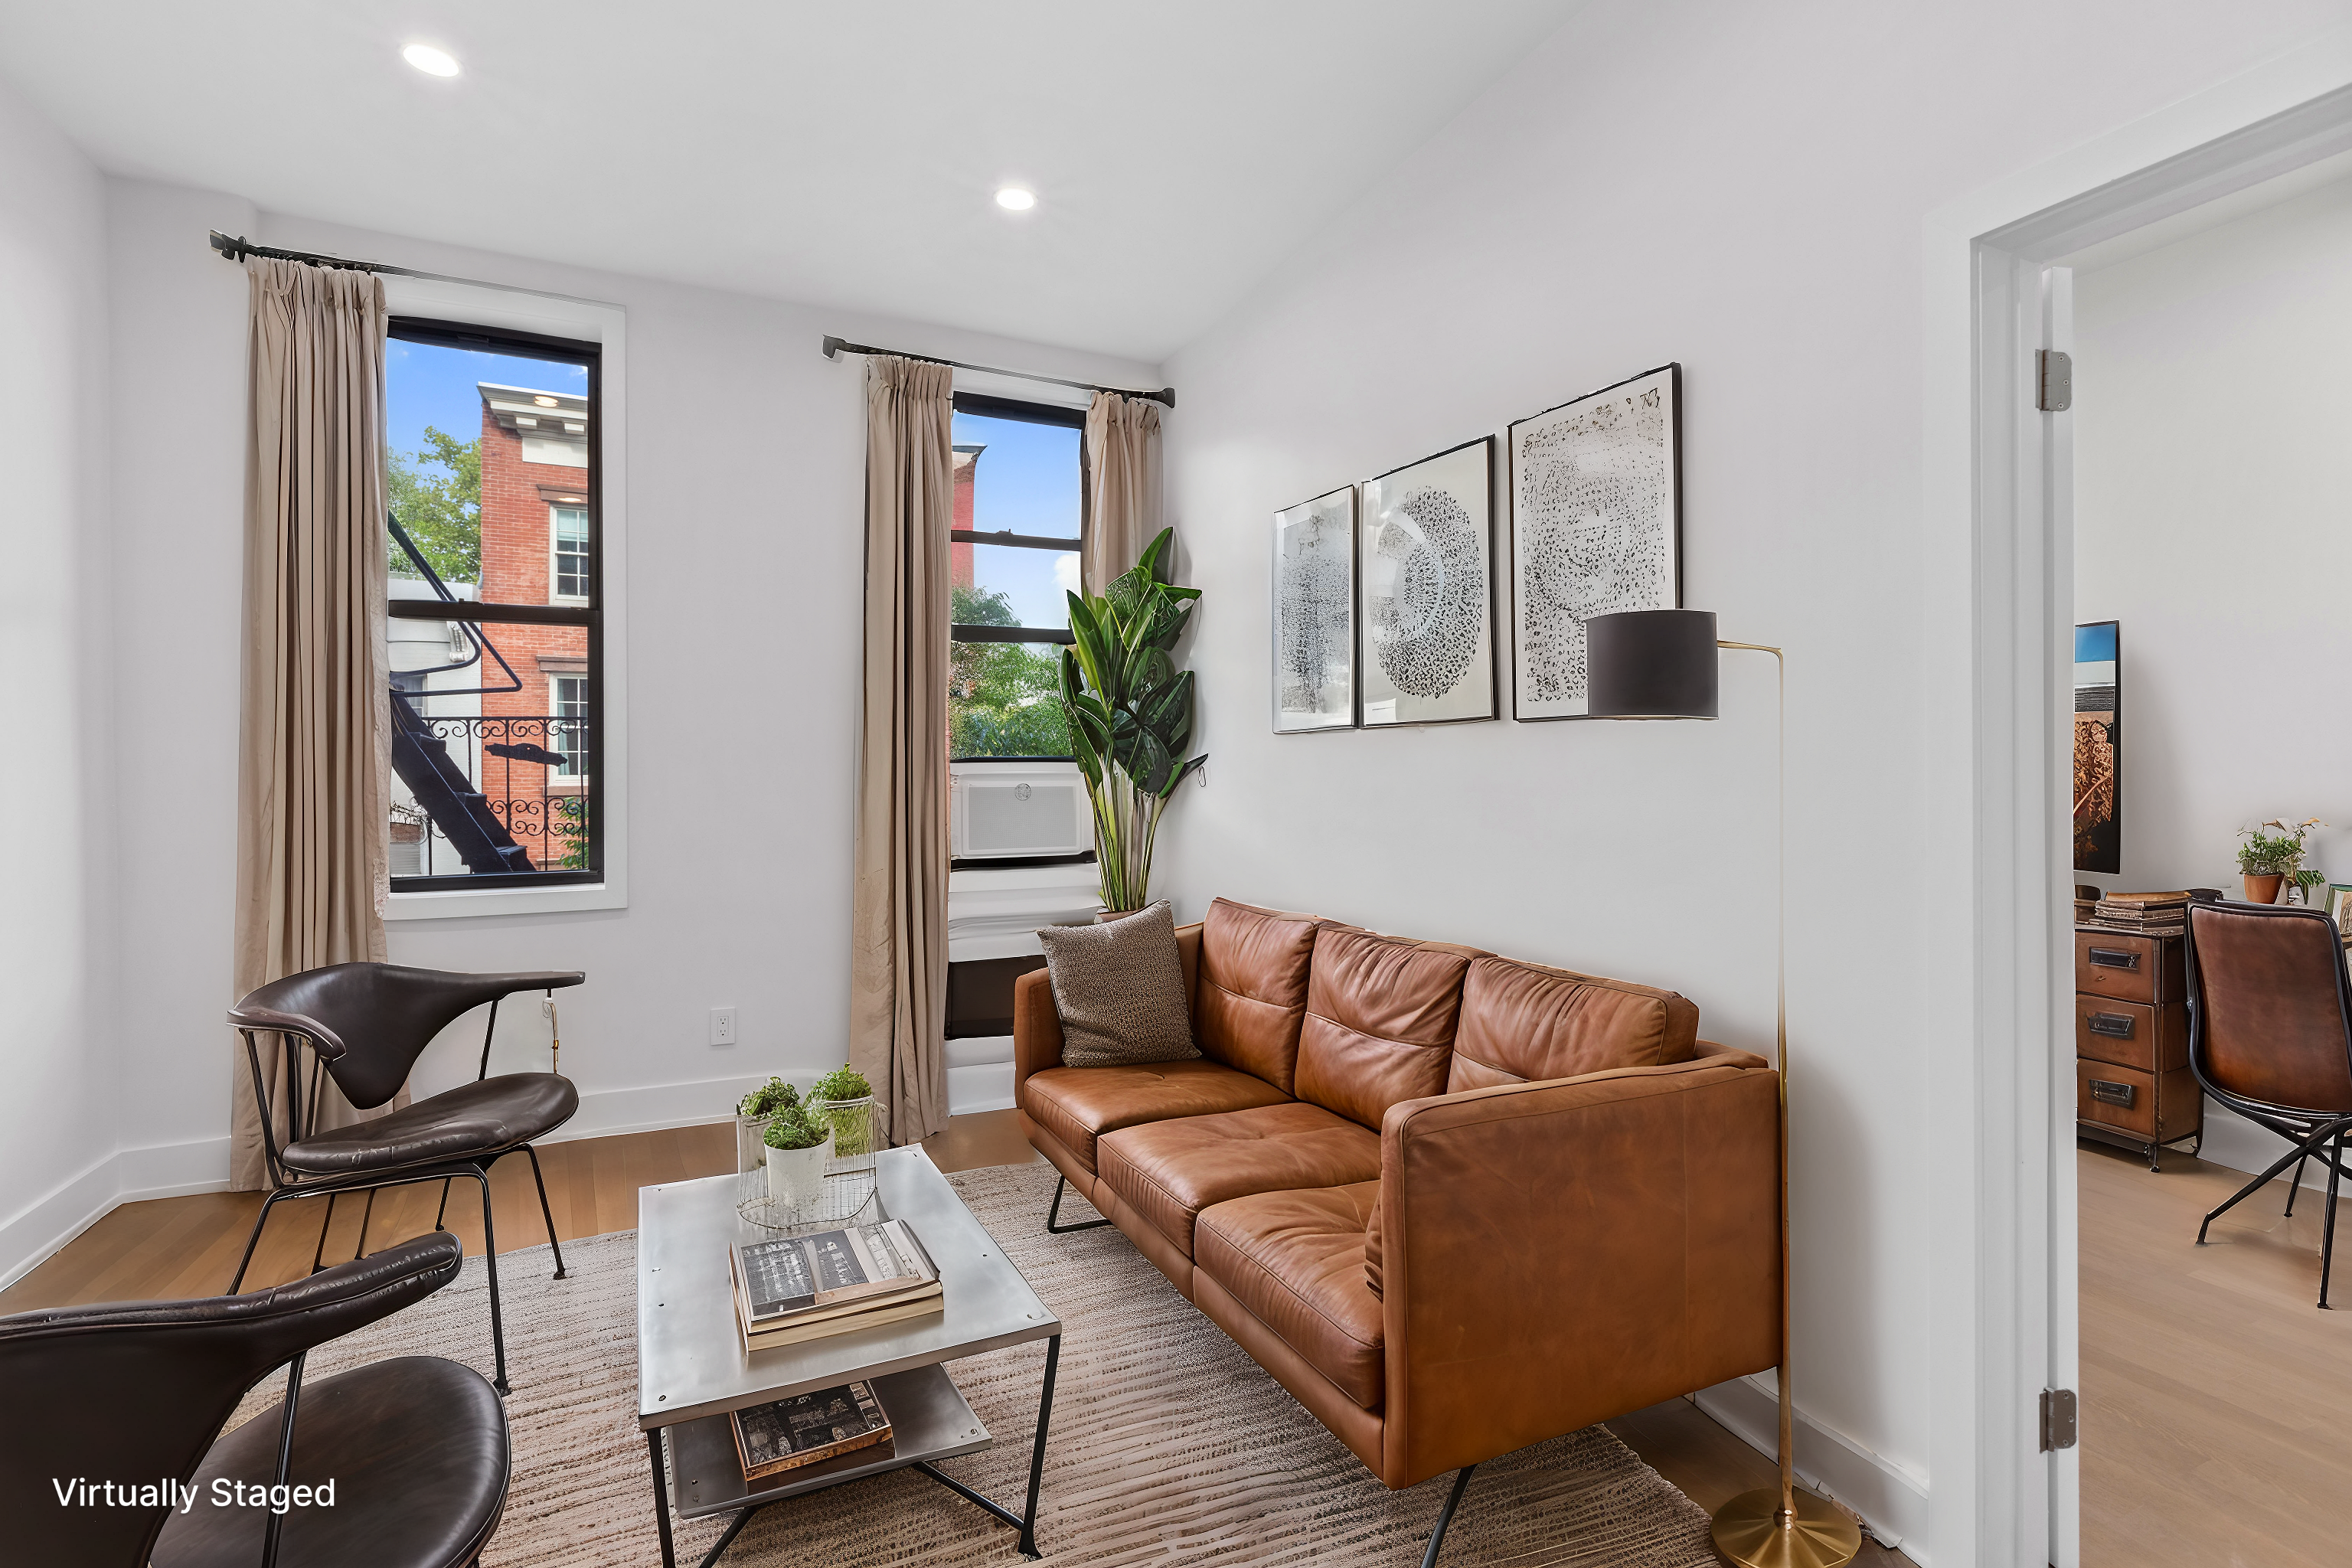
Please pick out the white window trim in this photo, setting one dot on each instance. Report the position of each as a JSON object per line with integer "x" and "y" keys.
{"x": 606, "y": 326}
{"x": 554, "y": 572}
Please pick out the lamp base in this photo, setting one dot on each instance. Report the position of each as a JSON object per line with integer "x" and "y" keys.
{"x": 1749, "y": 1531}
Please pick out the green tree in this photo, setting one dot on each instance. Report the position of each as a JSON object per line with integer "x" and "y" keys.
{"x": 442, "y": 511}
{"x": 1004, "y": 697}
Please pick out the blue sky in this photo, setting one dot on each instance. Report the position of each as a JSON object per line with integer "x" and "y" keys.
{"x": 425, "y": 384}
{"x": 1028, "y": 482}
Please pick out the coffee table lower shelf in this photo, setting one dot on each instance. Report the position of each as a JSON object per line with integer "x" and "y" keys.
{"x": 929, "y": 1420}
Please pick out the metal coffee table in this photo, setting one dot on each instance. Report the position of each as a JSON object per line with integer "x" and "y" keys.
{"x": 692, "y": 1368}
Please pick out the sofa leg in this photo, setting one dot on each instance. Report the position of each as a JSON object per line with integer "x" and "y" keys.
{"x": 1055, "y": 1213}
{"x": 1445, "y": 1515}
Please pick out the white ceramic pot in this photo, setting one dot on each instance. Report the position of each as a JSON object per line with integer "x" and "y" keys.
{"x": 796, "y": 1176}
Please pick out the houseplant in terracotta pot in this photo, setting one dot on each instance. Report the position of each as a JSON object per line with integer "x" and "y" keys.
{"x": 798, "y": 1146}
{"x": 1130, "y": 715}
{"x": 2272, "y": 853}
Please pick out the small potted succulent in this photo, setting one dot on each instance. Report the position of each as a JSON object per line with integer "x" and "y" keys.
{"x": 2272, "y": 853}
{"x": 845, "y": 1101}
{"x": 798, "y": 1142}
{"x": 752, "y": 1114}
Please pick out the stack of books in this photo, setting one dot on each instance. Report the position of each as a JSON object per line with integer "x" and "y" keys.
{"x": 2151, "y": 914}
{"x": 834, "y": 1283}
{"x": 793, "y": 1433}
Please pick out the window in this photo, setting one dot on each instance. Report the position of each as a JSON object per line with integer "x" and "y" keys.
{"x": 1014, "y": 553}
{"x": 495, "y": 619}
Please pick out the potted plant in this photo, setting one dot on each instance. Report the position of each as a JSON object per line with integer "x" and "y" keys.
{"x": 844, "y": 1100}
{"x": 1130, "y": 715}
{"x": 2272, "y": 852}
{"x": 752, "y": 1114}
{"x": 798, "y": 1144}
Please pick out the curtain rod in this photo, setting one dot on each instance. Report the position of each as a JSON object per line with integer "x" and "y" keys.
{"x": 240, "y": 247}
{"x": 1166, "y": 394}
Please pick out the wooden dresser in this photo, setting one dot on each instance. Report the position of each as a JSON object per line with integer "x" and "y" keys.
{"x": 2132, "y": 1082}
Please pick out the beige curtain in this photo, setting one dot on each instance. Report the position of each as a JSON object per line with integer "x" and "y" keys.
{"x": 1119, "y": 513}
{"x": 898, "y": 980}
{"x": 314, "y": 754}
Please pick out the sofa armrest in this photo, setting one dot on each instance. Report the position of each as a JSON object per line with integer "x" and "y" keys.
{"x": 1563, "y": 1252}
{"x": 1036, "y": 1029}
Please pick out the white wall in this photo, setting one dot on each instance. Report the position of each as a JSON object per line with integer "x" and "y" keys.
{"x": 58, "y": 1030}
{"x": 1741, "y": 189}
{"x": 2213, "y": 519}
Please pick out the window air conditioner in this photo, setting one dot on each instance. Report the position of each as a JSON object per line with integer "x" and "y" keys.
{"x": 1002, "y": 813}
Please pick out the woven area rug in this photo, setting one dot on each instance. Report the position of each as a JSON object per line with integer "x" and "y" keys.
{"x": 1168, "y": 1444}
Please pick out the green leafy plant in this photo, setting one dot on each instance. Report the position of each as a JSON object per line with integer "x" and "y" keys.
{"x": 843, "y": 1083}
{"x": 841, "y": 1097}
{"x": 1131, "y": 714}
{"x": 2275, "y": 848}
{"x": 795, "y": 1128}
{"x": 769, "y": 1097}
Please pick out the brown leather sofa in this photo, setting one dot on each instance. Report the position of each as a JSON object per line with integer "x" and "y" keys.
{"x": 1455, "y": 1203}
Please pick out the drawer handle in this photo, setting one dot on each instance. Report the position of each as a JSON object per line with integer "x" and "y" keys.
{"x": 2112, "y": 1093}
{"x": 2114, "y": 958}
{"x": 2115, "y": 1026}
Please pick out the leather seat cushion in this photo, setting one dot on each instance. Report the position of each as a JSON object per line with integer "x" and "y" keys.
{"x": 1381, "y": 1015}
{"x": 415, "y": 1446}
{"x": 1078, "y": 1105}
{"x": 1250, "y": 991}
{"x": 472, "y": 1119}
{"x": 1524, "y": 1023}
{"x": 1295, "y": 1259}
{"x": 1168, "y": 1171}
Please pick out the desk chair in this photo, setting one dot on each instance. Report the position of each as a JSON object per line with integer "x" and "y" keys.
{"x": 2270, "y": 1036}
{"x": 366, "y": 1025}
{"x": 137, "y": 1391}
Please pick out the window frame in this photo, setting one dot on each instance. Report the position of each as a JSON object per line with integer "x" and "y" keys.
{"x": 555, "y": 594}
{"x": 589, "y": 613}
{"x": 988, "y": 405}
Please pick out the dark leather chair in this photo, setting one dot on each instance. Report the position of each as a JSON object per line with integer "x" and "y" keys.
{"x": 366, "y": 1025}
{"x": 135, "y": 1392}
{"x": 2270, "y": 1036}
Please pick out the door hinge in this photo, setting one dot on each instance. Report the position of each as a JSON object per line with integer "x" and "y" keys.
{"x": 2059, "y": 1410}
{"x": 2055, "y": 372}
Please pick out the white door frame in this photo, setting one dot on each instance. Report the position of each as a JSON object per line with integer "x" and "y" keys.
{"x": 1998, "y": 592}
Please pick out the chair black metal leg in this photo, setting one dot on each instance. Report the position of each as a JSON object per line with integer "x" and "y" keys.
{"x": 490, "y": 1262}
{"x": 1055, "y": 1213}
{"x": 544, "y": 1211}
{"x": 320, "y": 1251}
{"x": 661, "y": 1498}
{"x": 2293, "y": 1186}
{"x": 258, "y": 1221}
{"x": 366, "y": 1215}
{"x": 1445, "y": 1515}
{"x": 2328, "y": 1229}
{"x": 2301, "y": 1151}
{"x": 443, "y": 1212}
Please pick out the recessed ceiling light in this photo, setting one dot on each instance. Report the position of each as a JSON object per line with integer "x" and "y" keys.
{"x": 544, "y": 401}
{"x": 1014, "y": 199}
{"x": 430, "y": 60}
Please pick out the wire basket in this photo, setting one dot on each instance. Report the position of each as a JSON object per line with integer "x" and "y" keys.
{"x": 853, "y": 1132}
{"x": 847, "y": 1195}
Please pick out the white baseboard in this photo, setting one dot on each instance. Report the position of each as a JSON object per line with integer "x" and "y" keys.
{"x": 1892, "y": 1500}
{"x": 48, "y": 1222}
{"x": 982, "y": 1086}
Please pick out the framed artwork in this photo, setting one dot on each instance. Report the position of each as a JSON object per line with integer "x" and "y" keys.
{"x": 1424, "y": 590}
{"x": 2098, "y": 748}
{"x": 1596, "y": 526}
{"x": 2339, "y": 907}
{"x": 1315, "y": 614}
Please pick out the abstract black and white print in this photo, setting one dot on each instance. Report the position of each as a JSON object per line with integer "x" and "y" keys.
{"x": 1315, "y": 614}
{"x": 1596, "y": 509}
{"x": 1423, "y": 547}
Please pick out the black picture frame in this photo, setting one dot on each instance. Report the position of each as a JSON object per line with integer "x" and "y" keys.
{"x": 1485, "y": 663}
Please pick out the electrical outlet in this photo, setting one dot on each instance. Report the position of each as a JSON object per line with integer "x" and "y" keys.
{"x": 722, "y": 1026}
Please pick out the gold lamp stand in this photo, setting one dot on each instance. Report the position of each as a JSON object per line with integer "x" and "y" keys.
{"x": 1784, "y": 1526}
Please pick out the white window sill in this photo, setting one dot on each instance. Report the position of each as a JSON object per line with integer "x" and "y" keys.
{"x": 468, "y": 903}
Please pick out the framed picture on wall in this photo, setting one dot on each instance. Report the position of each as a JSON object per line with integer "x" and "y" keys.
{"x": 1315, "y": 614}
{"x": 2339, "y": 907}
{"x": 1424, "y": 590}
{"x": 2098, "y": 748}
{"x": 1596, "y": 527}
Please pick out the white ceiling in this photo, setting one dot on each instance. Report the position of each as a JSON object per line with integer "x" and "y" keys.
{"x": 842, "y": 154}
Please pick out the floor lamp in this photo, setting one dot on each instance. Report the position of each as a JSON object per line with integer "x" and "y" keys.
{"x": 1661, "y": 664}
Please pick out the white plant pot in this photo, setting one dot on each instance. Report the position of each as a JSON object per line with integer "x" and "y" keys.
{"x": 796, "y": 1176}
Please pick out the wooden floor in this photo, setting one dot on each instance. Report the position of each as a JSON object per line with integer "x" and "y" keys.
{"x": 2215, "y": 1394}
{"x": 189, "y": 1246}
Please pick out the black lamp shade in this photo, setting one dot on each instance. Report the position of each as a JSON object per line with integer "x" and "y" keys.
{"x": 1650, "y": 664}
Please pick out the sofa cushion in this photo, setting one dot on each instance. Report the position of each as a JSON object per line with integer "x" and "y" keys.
{"x": 1119, "y": 989}
{"x": 1381, "y": 1015}
{"x": 1295, "y": 1259}
{"x": 1168, "y": 1171}
{"x": 1522, "y": 1023}
{"x": 1252, "y": 988}
{"x": 1077, "y": 1105}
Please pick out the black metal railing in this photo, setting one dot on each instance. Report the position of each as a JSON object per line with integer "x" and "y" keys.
{"x": 527, "y": 771}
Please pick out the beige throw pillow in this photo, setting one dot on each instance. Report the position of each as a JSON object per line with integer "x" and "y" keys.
{"x": 1119, "y": 988}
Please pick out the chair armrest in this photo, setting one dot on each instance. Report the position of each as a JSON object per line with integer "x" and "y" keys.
{"x": 323, "y": 1041}
{"x": 532, "y": 980}
{"x": 1036, "y": 1029}
{"x": 1560, "y": 1253}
